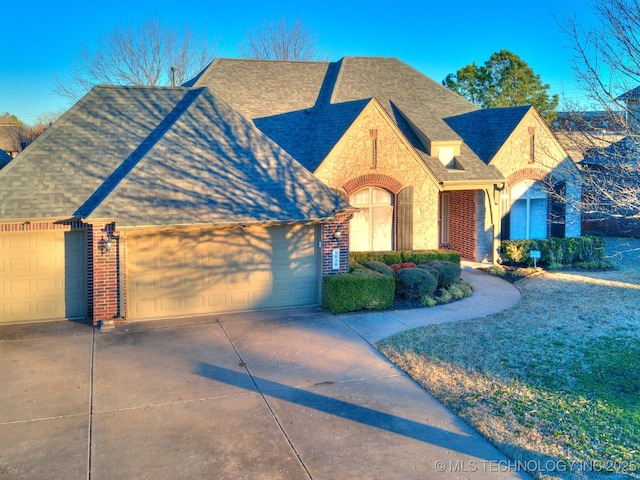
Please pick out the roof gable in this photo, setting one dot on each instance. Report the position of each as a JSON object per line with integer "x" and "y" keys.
{"x": 161, "y": 156}
{"x": 306, "y": 107}
{"x": 486, "y": 131}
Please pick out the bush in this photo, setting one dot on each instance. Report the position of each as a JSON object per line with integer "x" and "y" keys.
{"x": 449, "y": 273}
{"x": 398, "y": 266}
{"x": 380, "y": 267}
{"x": 426, "y": 256}
{"x": 554, "y": 252}
{"x": 403, "y": 256}
{"x": 360, "y": 289}
{"x": 432, "y": 270}
{"x": 415, "y": 283}
{"x": 388, "y": 258}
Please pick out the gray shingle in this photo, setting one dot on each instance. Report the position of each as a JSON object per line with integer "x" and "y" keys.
{"x": 307, "y": 106}
{"x": 160, "y": 156}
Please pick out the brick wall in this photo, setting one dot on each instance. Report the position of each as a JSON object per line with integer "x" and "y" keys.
{"x": 103, "y": 273}
{"x": 329, "y": 243}
{"x": 463, "y": 233}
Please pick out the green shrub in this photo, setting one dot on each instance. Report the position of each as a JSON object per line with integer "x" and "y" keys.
{"x": 361, "y": 289}
{"x": 432, "y": 270}
{"x": 426, "y": 256}
{"x": 380, "y": 267}
{"x": 449, "y": 272}
{"x": 496, "y": 271}
{"x": 428, "y": 301}
{"x": 388, "y": 258}
{"x": 403, "y": 256}
{"x": 415, "y": 283}
{"x": 554, "y": 252}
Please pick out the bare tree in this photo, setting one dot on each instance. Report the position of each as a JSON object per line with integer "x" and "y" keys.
{"x": 279, "y": 41}
{"x": 147, "y": 54}
{"x": 606, "y": 65}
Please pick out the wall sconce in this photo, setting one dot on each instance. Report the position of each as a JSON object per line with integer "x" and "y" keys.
{"x": 337, "y": 234}
{"x": 106, "y": 245}
{"x": 499, "y": 186}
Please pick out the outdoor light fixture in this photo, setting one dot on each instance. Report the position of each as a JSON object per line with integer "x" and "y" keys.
{"x": 337, "y": 234}
{"x": 106, "y": 245}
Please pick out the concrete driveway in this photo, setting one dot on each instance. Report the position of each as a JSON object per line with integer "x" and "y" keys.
{"x": 289, "y": 394}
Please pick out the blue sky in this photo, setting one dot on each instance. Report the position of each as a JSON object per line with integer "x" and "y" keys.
{"x": 40, "y": 41}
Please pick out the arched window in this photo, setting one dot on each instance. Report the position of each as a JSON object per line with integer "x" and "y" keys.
{"x": 371, "y": 229}
{"x": 528, "y": 211}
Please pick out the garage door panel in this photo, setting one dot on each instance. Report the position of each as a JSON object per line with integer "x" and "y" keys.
{"x": 221, "y": 271}
{"x": 42, "y": 276}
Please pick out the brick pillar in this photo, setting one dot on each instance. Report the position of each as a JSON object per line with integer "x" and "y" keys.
{"x": 329, "y": 243}
{"x": 103, "y": 273}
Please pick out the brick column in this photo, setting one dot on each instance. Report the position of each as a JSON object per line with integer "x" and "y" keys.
{"x": 103, "y": 273}
{"x": 330, "y": 242}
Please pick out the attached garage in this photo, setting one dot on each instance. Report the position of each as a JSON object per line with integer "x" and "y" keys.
{"x": 204, "y": 270}
{"x": 42, "y": 276}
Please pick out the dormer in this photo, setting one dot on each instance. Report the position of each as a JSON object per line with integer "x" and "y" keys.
{"x": 447, "y": 152}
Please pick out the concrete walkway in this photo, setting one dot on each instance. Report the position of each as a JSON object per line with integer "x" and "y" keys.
{"x": 291, "y": 394}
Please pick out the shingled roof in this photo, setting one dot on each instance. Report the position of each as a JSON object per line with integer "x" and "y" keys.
{"x": 160, "y": 156}
{"x": 307, "y": 106}
{"x": 485, "y": 131}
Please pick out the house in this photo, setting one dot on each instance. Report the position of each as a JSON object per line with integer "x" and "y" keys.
{"x": 242, "y": 188}
{"x": 150, "y": 202}
{"x": 612, "y": 176}
{"x": 427, "y": 168}
{"x": 9, "y": 137}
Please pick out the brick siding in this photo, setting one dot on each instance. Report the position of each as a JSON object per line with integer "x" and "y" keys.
{"x": 463, "y": 212}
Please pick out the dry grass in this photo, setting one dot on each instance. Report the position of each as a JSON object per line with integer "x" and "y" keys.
{"x": 554, "y": 379}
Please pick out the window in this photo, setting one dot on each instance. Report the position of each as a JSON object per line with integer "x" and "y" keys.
{"x": 528, "y": 211}
{"x": 371, "y": 228}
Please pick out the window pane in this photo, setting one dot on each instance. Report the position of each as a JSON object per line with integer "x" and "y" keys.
{"x": 518, "y": 220}
{"x": 382, "y": 227}
{"x": 359, "y": 231}
{"x": 361, "y": 197}
{"x": 538, "y": 227}
{"x": 381, "y": 196}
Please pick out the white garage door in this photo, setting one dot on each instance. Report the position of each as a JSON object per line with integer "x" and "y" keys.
{"x": 42, "y": 276}
{"x": 194, "y": 272}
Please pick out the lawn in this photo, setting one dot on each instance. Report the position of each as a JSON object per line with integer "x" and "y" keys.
{"x": 554, "y": 382}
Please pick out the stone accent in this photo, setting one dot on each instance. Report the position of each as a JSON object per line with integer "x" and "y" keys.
{"x": 349, "y": 166}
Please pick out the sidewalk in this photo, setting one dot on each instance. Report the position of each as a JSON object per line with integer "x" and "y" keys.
{"x": 491, "y": 295}
{"x": 283, "y": 394}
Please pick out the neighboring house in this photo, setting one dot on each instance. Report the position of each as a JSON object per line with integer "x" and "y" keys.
{"x": 612, "y": 177}
{"x": 150, "y": 202}
{"x": 426, "y": 168}
{"x": 612, "y": 189}
{"x": 4, "y": 159}
{"x": 9, "y": 137}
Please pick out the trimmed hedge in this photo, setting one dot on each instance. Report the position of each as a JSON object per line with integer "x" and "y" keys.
{"x": 360, "y": 289}
{"x": 405, "y": 256}
{"x": 554, "y": 252}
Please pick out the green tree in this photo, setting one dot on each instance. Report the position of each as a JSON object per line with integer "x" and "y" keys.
{"x": 505, "y": 80}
